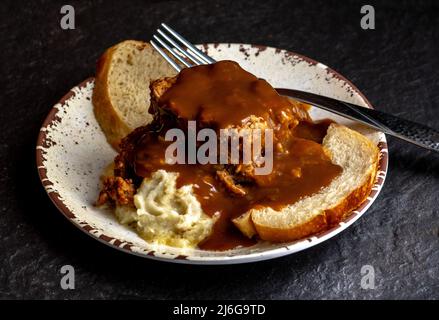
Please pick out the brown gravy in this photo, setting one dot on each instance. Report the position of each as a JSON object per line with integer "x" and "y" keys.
{"x": 221, "y": 95}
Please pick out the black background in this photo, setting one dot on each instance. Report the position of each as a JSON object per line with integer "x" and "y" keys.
{"x": 396, "y": 66}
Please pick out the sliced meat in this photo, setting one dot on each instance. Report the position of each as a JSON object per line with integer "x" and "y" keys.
{"x": 168, "y": 114}
{"x": 227, "y": 179}
{"x": 117, "y": 191}
{"x": 281, "y": 120}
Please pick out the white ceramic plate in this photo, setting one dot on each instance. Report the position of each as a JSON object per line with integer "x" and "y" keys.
{"x": 72, "y": 152}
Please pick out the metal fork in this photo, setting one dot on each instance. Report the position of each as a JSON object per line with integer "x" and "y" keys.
{"x": 170, "y": 43}
{"x": 185, "y": 52}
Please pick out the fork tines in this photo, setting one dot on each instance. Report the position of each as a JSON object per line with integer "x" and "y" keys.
{"x": 176, "y": 50}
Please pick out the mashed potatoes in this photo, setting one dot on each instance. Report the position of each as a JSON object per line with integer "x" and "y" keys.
{"x": 165, "y": 214}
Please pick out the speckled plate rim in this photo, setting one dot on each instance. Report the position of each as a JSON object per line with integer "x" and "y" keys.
{"x": 289, "y": 248}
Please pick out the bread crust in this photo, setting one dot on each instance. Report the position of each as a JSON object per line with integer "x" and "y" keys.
{"x": 321, "y": 222}
{"x": 327, "y": 218}
{"x": 105, "y": 112}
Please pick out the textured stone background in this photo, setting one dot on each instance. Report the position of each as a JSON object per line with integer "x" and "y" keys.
{"x": 396, "y": 66}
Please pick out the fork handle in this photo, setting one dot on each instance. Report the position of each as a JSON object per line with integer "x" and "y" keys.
{"x": 407, "y": 130}
{"x": 410, "y": 131}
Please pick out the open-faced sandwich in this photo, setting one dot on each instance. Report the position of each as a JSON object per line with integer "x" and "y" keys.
{"x": 305, "y": 177}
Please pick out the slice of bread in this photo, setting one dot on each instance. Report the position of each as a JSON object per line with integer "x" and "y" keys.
{"x": 121, "y": 96}
{"x": 358, "y": 157}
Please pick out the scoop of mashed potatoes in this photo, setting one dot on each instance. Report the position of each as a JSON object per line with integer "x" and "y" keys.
{"x": 166, "y": 215}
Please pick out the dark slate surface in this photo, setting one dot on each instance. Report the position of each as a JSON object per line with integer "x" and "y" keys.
{"x": 396, "y": 66}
